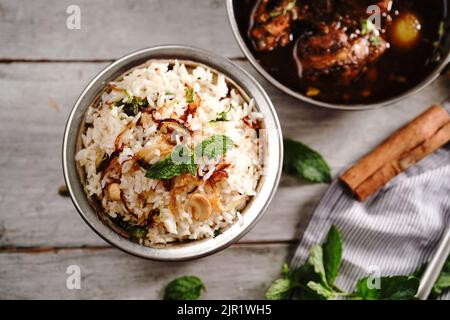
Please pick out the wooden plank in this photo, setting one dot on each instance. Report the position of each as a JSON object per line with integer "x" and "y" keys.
{"x": 240, "y": 272}
{"x": 37, "y": 29}
{"x": 32, "y": 214}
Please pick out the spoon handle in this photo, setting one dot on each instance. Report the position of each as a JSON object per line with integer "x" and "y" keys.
{"x": 434, "y": 267}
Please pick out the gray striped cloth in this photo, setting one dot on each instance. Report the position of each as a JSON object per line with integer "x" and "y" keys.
{"x": 392, "y": 233}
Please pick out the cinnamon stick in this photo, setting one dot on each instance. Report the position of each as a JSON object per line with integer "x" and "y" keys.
{"x": 402, "y": 141}
{"x": 393, "y": 168}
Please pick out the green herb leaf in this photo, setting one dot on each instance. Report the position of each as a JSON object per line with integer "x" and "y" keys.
{"x": 184, "y": 288}
{"x": 364, "y": 291}
{"x": 192, "y": 168}
{"x": 215, "y": 146}
{"x": 180, "y": 161}
{"x": 306, "y": 163}
{"x": 304, "y": 274}
{"x": 315, "y": 279}
{"x": 222, "y": 116}
{"x": 217, "y": 233}
{"x": 189, "y": 95}
{"x": 332, "y": 254}
{"x": 133, "y": 230}
{"x": 279, "y": 290}
{"x": 133, "y": 105}
{"x": 316, "y": 260}
{"x": 285, "y": 270}
{"x": 165, "y": 169}
{"x": 321, "y": 290}
{"x": 391, "y": 288}
{"x": 295, "y": 283}
{"x": 300, "y": 277}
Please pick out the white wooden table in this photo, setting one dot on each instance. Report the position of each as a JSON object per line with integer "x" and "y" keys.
{"x": 43, "y": 68}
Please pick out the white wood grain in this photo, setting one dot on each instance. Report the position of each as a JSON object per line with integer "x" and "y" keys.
{"x": 36, "y": 29}
{"x": 240, "y": 272}
{"x": 32, "y": 213}
{"x": 36, "y": 99}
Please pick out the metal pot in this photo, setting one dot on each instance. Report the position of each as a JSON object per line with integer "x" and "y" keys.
{"x": 272, "y": 146}
{"x": 248, "y": 54}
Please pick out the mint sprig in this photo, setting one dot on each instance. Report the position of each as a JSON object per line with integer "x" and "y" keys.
{"x": 184, "y": 288}
{"x": 215, "y": 146}
{"x": 180, "y": 161}
{"x": 183, "y": 159}
{"x": 304, "y": 162}
{"x": 316, "y": 278}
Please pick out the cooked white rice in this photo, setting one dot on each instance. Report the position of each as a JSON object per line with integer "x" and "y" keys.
{"x": 168, "y": 213}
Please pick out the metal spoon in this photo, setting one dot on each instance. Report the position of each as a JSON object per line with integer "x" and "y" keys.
{"x": 434, "y": 267}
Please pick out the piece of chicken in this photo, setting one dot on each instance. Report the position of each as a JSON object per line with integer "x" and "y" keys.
{"x": 332, "y": 44}
{"x": 272, "y": 23}
{"x": 334, "y": 55}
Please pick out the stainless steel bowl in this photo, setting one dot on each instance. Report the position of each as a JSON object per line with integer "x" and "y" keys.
{"x": 232, "y": 19}
{"x": 273, "y": 154}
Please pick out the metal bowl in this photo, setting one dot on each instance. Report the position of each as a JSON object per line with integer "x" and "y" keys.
{"x": 272, "y": 158}
{"x": 248, "y": 54}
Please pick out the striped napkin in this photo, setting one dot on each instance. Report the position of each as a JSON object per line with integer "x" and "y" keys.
{"x": 395, "y": 231}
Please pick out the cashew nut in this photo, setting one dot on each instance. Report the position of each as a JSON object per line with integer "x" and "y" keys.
{"x": 114, "y": 191}
{"x": 200, "y": 207}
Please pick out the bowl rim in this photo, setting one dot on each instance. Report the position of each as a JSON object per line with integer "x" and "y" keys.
{"x": 356, "y": 107}
{"x": 197, "y": 248}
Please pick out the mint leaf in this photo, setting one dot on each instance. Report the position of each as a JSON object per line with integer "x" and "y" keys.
{"x": 300, "y": 278}
{"x": 364, "y": 291}
{"x": 304, "y": 162}
{"x": 316, "y": 260}
{"x": 279, "y": 290}
{"x": 304, "y": 274}
{"x": 135, "y": 231}
{"x": 184, "y": 288}
{"x": 315, "y": 279}
{"x": 180, "y": 161}
{"x": 216, "y": 145}
{"x": 321, "y": 290}
{"x": 332, "y": 254}
{"x": 285, "y": 270}
{"x": 391, "y": 288}
{"x": 133, "y": 105}
{"x": 165, "y": 169}
{"x": 222, "y": 116}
